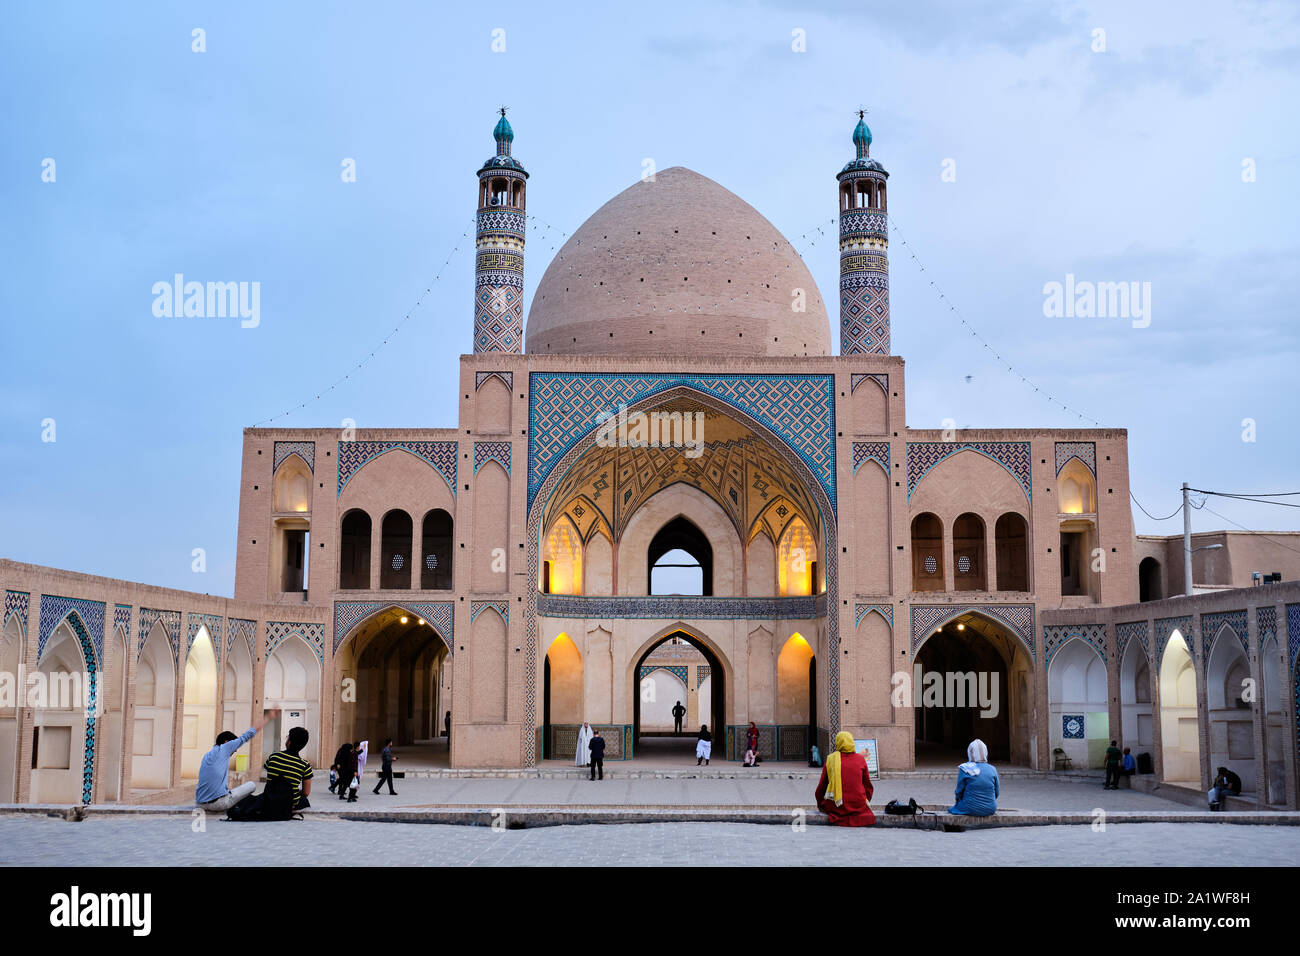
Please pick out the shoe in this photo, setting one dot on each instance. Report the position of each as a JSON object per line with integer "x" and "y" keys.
{"x": 375, "y": 792}
{"x": 392, "y": 793}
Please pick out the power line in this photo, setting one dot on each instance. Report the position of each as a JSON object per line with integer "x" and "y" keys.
{"x": 1257, "y": 499}
{"x": 1149, "y": 514}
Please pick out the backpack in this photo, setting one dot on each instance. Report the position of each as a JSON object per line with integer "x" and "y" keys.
{"x": 273, "y": 803}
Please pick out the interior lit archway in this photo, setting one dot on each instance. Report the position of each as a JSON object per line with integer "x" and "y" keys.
{"x": 669, "y": 666}
{"x": 972, "y": 678}
{"x": 395, "y": 669}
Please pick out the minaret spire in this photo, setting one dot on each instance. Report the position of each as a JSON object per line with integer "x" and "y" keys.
{"x": 499, "y": 248}
{"x": 864, "y": 250}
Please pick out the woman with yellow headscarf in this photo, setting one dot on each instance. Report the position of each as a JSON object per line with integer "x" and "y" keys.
{"x": 844, "y": 791}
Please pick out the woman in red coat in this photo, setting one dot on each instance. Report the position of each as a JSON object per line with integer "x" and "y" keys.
{"x": 844, "y": 791}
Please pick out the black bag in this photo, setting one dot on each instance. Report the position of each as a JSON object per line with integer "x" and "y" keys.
{"x": 273, "y": 803}
{"x": 894, "y": 808}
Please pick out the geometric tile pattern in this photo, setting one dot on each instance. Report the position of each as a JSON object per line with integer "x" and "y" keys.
{"x": 1014, "y": 456}
{"x": 440, "y": 615}
{"x": 864, "y": 271}
{"x": 862, "y": 610}
{"x": 306, "y": 450}
{"x": 171, "y": 622}
{"x": 1085, "y": 451}
{"x": 16, "y": 603}
{"x": 752, "y": 478}
{"x": 498, "y": 451}
{"x": 1072, "y": 726}
{"x": 587, "y": 607}
{"x": 877, "y": 451}
{"x": 241, "y": 627}
{"x": 499, "y": 272}
{"x": 507, "y": 377}
{"x": 213, "y": 623}
{"x": 1293, "y": 630}
{"x": 73, "y": 615}
{"x": 478, "y": 607}
{"x": 557, "y": 410}
{"x": 54, "y": 609}
{"x": 122, "y": 619}
{"x": 564, "y": 408}
{"x": 677, "y": 670}
{"x": 1212, "y": 623}
{"x": 1019, "y": 619}
{"x": 313, "y": 634}
{"x": 440, "y": 454}
{"x": 864, "y": 312}
{"x": 857, "y": 378}
{"x": 1126, "y": 632}
{"x": 1165, "y": 627}
{"x": 1055, "y": 636}
{"x": 1266, "y": 622}
{"x": 702, "y": 671}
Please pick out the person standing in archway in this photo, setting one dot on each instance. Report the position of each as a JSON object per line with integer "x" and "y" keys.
{"x": 844, "y": 790}
{"x": 678, "y": 713}
{"x": 582, "y": 752}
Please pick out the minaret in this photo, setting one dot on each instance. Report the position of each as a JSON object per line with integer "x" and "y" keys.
{"x": 499, "y": 249}
{"x": 864, "y": 251}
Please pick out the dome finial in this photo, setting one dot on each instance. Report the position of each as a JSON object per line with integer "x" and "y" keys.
{"x": 862, "y": 135}
{"x": 503, "y": 134}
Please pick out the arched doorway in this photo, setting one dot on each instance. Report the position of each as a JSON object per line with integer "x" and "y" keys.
{"x": 1077, "y": 714}
{"x": 62, "y": 755}
{"x": 1179, "y": 733}
{"x": 199, "y": 726}
{"x": 395, "y": 671}
{"x": 677, "y": 663}
{"x": 292, "y": 686}
{"x": 1149, "y": 587}
{"x": 1135, "y": 699}
{"x": 971, "y": 678}
{"x": 11, "y": 641}
{"x": 562, "y": 698}
{"x": 1228, "y": 693}
{"x": 151, "y": 759}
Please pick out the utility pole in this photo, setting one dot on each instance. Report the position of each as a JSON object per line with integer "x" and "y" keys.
{"x": 1187, "y": 543}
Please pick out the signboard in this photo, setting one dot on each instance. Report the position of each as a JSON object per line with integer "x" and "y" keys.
{"x": 868, "y": 749}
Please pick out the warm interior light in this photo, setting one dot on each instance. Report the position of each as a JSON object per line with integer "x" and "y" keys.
{"x": 961, "y": 627}
{"x": 403, "y": 619}
{"x": 420, "y": 621}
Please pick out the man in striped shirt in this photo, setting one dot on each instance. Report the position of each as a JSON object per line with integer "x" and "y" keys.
{"x": 288, "y": 766}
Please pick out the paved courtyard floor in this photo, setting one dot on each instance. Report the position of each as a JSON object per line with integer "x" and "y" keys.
{"x": 170, "y": 841}
{"x": 1041, "y": 794}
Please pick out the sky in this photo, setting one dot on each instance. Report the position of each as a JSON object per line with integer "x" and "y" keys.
{"x": 1026, "y": 142}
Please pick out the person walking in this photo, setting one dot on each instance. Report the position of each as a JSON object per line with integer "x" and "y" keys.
{"x": 338, "y": 769}
{"x": 386, "y": 759}
{"x": 678, "y": 713}
{"x": 703, "y": 745}
{"x": 597, "y": 748}
{"x": 346, "y": 763}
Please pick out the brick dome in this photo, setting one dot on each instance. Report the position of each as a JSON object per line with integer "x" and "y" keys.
{"x": 677, "y": 266}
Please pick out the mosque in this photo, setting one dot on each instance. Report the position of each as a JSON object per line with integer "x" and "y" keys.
{"x": 674, "y": 403}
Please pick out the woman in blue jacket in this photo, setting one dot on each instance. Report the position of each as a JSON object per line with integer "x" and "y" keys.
{"x": 977, "y": 783}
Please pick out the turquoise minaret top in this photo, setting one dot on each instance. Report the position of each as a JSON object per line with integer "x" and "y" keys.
{"x": 504, "y": 135}
{"x": 861, "y": 135}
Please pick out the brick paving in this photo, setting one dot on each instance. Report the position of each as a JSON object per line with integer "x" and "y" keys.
{"x": 171, "y": 841}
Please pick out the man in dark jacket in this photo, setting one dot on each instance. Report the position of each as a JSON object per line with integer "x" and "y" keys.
{"x": 597, "y": 747}
{"x": 386, "y": 767}
{"x": 1113, "y": 758}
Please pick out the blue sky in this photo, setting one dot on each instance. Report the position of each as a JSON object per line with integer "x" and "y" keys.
{"x": 1121, "y": 165}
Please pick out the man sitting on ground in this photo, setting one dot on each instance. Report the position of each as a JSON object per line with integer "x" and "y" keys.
{"x": 286, "y": 767}
{"x": 213, "y": 792}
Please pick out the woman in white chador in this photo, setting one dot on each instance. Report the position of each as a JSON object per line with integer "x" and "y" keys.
{"x": 582, "y": 757}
